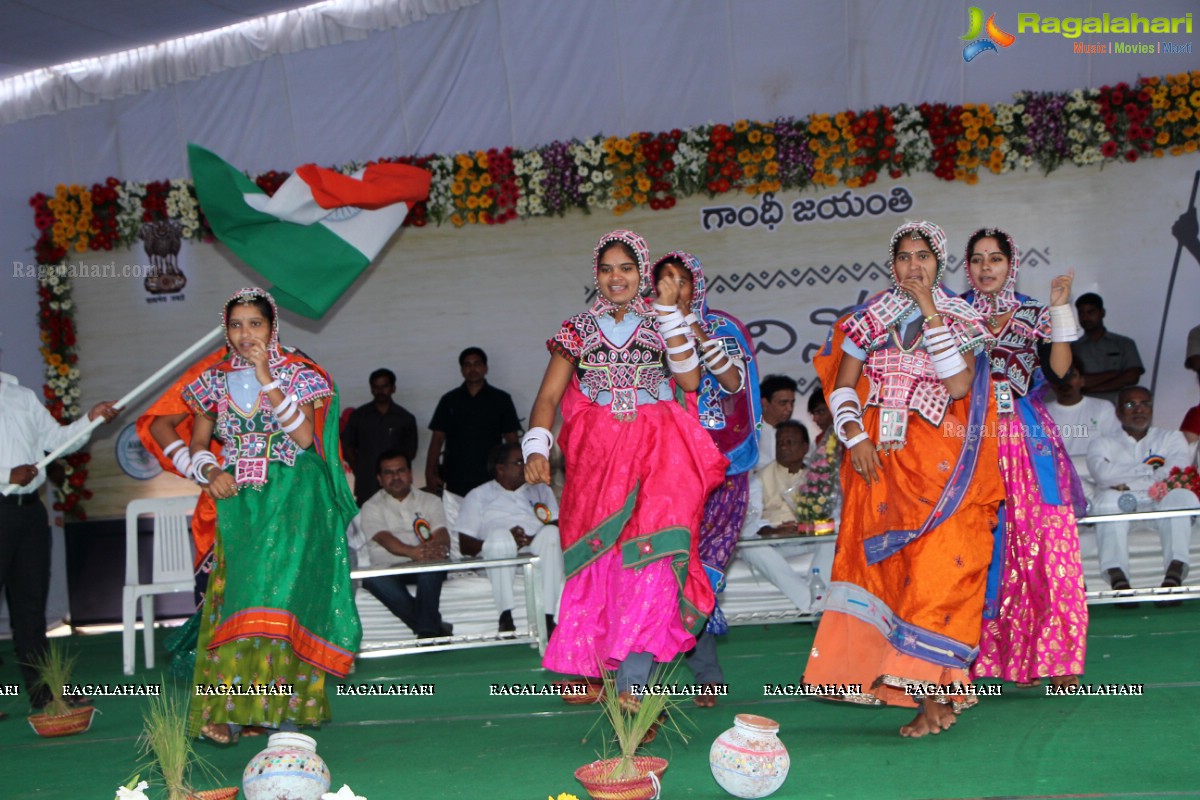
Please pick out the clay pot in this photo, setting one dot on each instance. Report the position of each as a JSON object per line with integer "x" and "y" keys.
{"x": 748, "y": 760}
{"x": 288, "y": 769}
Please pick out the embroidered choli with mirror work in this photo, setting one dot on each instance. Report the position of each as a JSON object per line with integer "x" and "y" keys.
{"x": 903, "y": 379}
{"x": 603, "y": 366}
{"x": 1014, "y": 356}
{"x": 252, "y": 438}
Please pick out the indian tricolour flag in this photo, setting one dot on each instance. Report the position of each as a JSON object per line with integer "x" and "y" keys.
{"x": 317, "y": 233}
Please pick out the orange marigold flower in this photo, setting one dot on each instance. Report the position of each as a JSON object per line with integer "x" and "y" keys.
{"x": 754, "y": 136}
{"x": 768, "y": 138}
{"x": 1189, "y": 146}
{"x": 457, "y": 188}
{"x": 741, "y": 125}
{"x": 771, "y": 168}
{"x": 1158, "y": 152}
{"x": 1163, "y": 137}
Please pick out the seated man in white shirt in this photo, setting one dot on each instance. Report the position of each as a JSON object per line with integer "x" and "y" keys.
{"x": 404, "y": 526}
{"x": 1125, "y": 466}
{"x": 1081, "y": 420}
{"x": 786, "y": 566}
{"x": 509, "y": 516}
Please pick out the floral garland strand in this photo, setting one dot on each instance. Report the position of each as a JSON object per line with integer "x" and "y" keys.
{"x": 1154, "y": 117}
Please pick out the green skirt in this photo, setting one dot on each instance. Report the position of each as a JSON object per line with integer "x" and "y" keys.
{"x": 280, "y": 611}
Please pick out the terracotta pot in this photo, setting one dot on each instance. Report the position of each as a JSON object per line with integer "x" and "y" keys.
{"x": 748, "y": 760}
{"x": 645, "y": 786}
{"x": 76, "y": 720}
{"x": 287, "y": 769}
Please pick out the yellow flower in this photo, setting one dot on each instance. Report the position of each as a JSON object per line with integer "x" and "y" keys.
{"x": 472, "y": 217}
{"x": 962, "y": 146}
{"x": 768, "y": 138}
{"x": 81, "y": 246}
{"x": 54, "y": 359}
{"x": 754, "y": 136}
{"x": 485, "y": 202}
{"x": 458, "y": 220}
{"x": 481, "y": 159}
{"x": 972, "y": 179}
{"x": 839, "y": 162}
{"x": 1195, "y": 99}
{"x": 1158, "y": 152}
{"x": 1186, "y": 114}
{"x": 457, "y": 188}
{"x": 832, "y": 134}
{"x": 818, "y": 165}
{"x": 740, "y": 126}
{"x": 624, "y": 147}
{"x": 1177, "y": 150}
{"x": 839, "y": 119}
{"x": 854, "y": 183}
{"x": 639, "y": 198}
{"x": 63, "y": 370}
{"x": 643, "y": 183}
{"x": 463, "y": 161}
{"x": 472, "y": 201}
{"x": 768, "y": 153}
{"x": 1189, "y": 146}
{"x": 744, "y": 157}
{"x": 485, "y": 180}
{"x": 751, "y": 170}
{"x": 475, "y": 187}
{"x": 814, "y": 127}
{"x": 771, "y": 168}
{"x": 1162, "y": 138}
{"x": 971, "y": 134}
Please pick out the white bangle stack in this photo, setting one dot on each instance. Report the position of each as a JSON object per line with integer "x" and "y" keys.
{"x": 199, "y": 461}
{"x": 1064, "y": 325}
{"x": 182, "y": 459}
{"x": 947, "y": 361}
{"x": 670, "y": 325}
{"x": 537, "y": 441}
{"x": 846, "y": 407}
{"x": 275, "y": 384}
{"x": 288, "y": 414}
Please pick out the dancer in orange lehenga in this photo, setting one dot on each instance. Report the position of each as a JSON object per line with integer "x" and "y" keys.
{"x": 921, "y": 489}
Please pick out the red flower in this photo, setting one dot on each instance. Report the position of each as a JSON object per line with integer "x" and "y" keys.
{"x": 1131, "y": 155}
{"x": 1108, "y": 149}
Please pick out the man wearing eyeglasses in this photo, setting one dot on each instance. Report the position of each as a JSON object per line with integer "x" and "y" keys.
{"x": 1127, "y": 467}
{"x": 509, "y": 516}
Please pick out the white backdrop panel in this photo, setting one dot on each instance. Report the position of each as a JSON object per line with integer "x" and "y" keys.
{"x": 507, "y": 288}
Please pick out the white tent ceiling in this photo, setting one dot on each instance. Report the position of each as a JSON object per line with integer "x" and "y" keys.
{"x": 46, "y": 33}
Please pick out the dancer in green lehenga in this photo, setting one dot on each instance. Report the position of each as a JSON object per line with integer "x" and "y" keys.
{"x": 279, "y": 613}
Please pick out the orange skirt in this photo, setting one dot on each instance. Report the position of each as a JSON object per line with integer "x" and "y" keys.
{"x": 915, "y": 617}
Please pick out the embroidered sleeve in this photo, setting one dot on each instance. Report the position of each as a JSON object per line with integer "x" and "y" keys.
{"x": 568, "y": 342}
{"x": 1042, "y": 327}
{"x": 202, "y": 394}
{"x": 309, "y": 386}
{"x": 863, "y": 330}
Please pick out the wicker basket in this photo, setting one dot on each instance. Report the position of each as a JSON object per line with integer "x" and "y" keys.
{"x": 599, "y": 786}
{"x": 74, "y": 721}
{"x": 229, "y": 793}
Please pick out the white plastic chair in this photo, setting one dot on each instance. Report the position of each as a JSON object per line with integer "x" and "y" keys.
{"x": 172, "y": 570}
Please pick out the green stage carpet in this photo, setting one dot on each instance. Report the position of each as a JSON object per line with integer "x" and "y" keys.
{"x": 463, "y": 743}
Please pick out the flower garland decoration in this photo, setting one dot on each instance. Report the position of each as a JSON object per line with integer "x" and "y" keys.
{"x": 1153, "y": 117}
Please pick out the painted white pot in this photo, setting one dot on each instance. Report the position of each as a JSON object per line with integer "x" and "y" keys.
{"x": 748, "y": 760}
{"x": 288, "y": 769}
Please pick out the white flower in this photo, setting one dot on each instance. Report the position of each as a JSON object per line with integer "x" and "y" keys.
{"x": 136, "y": 793}
{"x": 345, "y": 793}
{"x": 65, "y": 305}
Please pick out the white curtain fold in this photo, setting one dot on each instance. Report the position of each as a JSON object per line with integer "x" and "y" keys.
{"x": 92, "y": 80}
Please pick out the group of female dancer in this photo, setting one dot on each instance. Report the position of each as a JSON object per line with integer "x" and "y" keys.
{"x": 957, "y": 553}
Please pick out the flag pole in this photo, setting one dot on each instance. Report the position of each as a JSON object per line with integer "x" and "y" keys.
{"x": 1162, "y": 328}
{"x": 186, "y": 357}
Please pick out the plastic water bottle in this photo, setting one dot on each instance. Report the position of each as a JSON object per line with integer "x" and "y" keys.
{"x": 816, "y": 591}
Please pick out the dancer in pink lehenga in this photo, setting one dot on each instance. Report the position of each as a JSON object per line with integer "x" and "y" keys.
{"x": 1035, "y": 618}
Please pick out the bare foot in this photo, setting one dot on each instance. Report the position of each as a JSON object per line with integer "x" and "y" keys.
{"x": 1064, "y": 680}
{"x": 933, "y": 718}
{"x": 1033, "y": 684}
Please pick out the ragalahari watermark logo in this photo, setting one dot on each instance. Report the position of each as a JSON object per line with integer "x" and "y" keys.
{"x": 976, "y": 44}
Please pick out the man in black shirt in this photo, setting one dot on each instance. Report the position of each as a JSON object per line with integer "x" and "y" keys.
{"x": 469, "y": 421}
{"x": 377, "y": 427}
